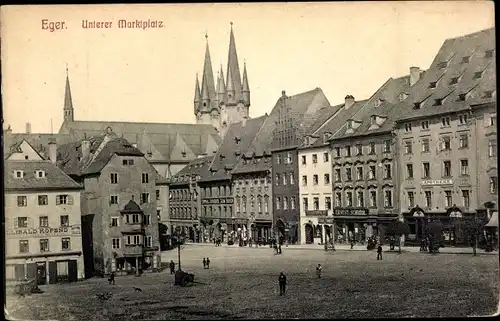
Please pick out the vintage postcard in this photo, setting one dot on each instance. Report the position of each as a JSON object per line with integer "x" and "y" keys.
{"x": 250, "y": 160}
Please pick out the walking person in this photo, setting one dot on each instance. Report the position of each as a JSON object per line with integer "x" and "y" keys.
{"x": 111, "y": 279}
{"x": 172, "y": 267}
{"x": 379, "y": 252}
{"x": 319, "y": 270}
{"x": 279, "y": 249}
{"x": 208, "y": 263}
{"x": 204, "y": 263}
{"x": 282, "y": 282}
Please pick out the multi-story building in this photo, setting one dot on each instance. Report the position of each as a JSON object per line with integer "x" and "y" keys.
{"x": 294, "y": 115}
{"x": 42, "y": 218}
{"x": 446, "y": 138}
{"x": 119, "y": 203}
{"x": 219, "y": 205}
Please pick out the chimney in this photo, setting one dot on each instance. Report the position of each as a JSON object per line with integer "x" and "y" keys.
{"x": 244, "y": 121}
{"x": 283, "y": 93}
{"x": 85, "y": 147}
{"x": 28, "y": 128}
{"x": 414, "y": 75}
{"x": 53, "y": 151}
{"x": 349, "y": 101}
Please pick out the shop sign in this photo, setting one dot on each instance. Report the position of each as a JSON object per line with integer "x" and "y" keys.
{"x": 350, "y": 211}
{"x": 45, "y": 231}
{"x": 208, "y": 201}
{"x": 317, "y": 213}
{"x": 325, "y": 220}
{"x": 437, "y": 182}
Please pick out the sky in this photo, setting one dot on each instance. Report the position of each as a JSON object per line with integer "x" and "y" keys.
{"x": 149, "y": 75}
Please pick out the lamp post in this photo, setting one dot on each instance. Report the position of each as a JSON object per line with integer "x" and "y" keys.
{"x": 178, "y": 239}
{"x": 420, "y": 216}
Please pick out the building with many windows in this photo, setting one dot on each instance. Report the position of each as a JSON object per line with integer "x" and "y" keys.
{"x": 119, "y": 204}
{"x": 446, "y": 138}
{"x": 42, "y": 219}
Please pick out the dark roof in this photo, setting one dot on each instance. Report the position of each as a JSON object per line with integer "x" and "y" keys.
{"x": 235, "y": 143}
{"x": 39, "y": 142}
{"x": 54, "y": 178}
{"x": 453, "y": 52}
{"x": 194, "y": 168}
{"x": 131, "y": 207}
{"x": 169, "y": 142}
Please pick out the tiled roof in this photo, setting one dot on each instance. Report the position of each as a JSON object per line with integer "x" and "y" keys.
{"x": 54, "y": 178}
{"x": 235, "y": 143}
{"x": 39, "y": 142}
{"x": 194, "y": 168}
{"x": 162, "y": 137}
{"x": 453, "y": 53}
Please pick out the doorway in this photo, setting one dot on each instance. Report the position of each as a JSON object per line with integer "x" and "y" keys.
{"x": 309, "y": 234}
{"x": 41, "y": 273}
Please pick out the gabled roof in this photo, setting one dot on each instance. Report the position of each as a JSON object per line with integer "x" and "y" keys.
{"x": 236, "y": 141}
{"x": 194, "y": 168}
{"x": 39, "y": 142}
{"x": 55, "y": 178}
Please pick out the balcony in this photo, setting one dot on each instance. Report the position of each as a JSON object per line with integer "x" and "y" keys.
{"x": 136, "y": 228}
{"x": 133, "y": 250}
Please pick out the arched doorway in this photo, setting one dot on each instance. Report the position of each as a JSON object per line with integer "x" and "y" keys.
{"x": 280, "y": 228}
{"x": 328, "y": 234}
{"x": 309, "y": 232}
{"x": 455, "y": 231}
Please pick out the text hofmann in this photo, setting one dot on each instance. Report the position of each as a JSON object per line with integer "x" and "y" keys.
{"x": 140, "y": 24}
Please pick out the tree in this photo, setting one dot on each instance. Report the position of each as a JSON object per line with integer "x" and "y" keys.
{"x": 434, "y": 232}
{"x": 398, "y": 228}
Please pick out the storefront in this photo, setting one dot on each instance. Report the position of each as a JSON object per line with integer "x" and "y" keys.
{"x": 287, "y": 231}
{"x": 261, "y": 230}
{"x": 353, "y": 224}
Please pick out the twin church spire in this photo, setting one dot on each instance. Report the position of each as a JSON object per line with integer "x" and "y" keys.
{"x": 211, "y": 101}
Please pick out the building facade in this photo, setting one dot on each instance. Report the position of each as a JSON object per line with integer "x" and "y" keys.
{"x": 42, "y": 223}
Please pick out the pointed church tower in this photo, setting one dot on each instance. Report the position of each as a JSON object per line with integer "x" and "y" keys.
{"x": 245, "y": 88}
{"x": 221, "y": 88}
{"x": 208, "y": 95}
{"x": 233, "y": 86}
{"x": 197, "y": 96}
{"x": 68, "y": 102}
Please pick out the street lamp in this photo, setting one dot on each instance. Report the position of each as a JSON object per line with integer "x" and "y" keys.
{"x": 420, "y": 215}
{"x": 178, "y": 237}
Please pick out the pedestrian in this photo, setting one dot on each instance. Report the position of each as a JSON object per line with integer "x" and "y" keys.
{"x": 379, "y": 252}
{"x": 112, "y": 278}
{"x": 282, "y": 282}
{"x": 352, "y": 244}
{"x": 204, "y": 263}
{"x": 279, "y": 249}
{"x": 208, "y": 263}
{"x": 172, "y": 267}
{"x": 318, "y": 271}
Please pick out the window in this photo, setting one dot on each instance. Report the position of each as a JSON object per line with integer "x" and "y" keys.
{"x": 454, "y": 81}
{"x": 304, "y": 160}
{"x": 446, "y": 143}
{"x": 338, "y": 199}
{"x": 277, "y": 179}
{"x": 372, "y": 148}
{"x": 316, "y": 203}
{"x": 409, "y": 170}
{"x": 22, "y": 201}
{"x": 64, "y": 199}
{"x": 133, "y": 239}
{"x": 266, "y": 204}
{"x": 448, "y": 201}
{"x": 373, "y": 198}
{"x": 359, "y": 149}
{"x": 464, "y": 167}
{"x": 22, "y": 222}
{"x": 43, "y": 200}
{"x": 465, "y": 60}
{"x": 128, "y": 162}
{"x": 387, "y": 146}
{"x": 64, "y": 220}
{"x": 147, "y": 219}
{"x": 144, "y": 198}
{"x": 493, "y": 120}
{"x": 488, "y": 94}
{"x": 438, "y": 102}
{"x": 349, "y": 198}
{"x": 462, "y": 119}
{"x": 113, "y": 199}
{"x": 114, "y": 178}
{"x": 278, "y": 159}
{"x": 44, "y": 245}
{"x": 427, "y": 170}
{"x": 492, "y": 149}
{"x": 408, "y": 147}
{"x": 425, "y": 145}
{"x": 462, "y": 97}
{"x": 145, "y": 178}
{"x": 337, "y": 152}
{"x": 116, "y": 243}
{"x": 442, "y": 65}
{"x": 305, "y": 203}
{"x": 348, "y": 174}
{"x": 463, "y": 141}
{"x": 326, "y": 157}
{"x": 387, "y": 198}
{"x": 327, "y": 179}
{"x": 135, "y": 218}
{"x": 328, "y": 203}
{"x": 359, "y": 173}
{"x": 478, "y": 75}
{"x": 115, "y": 221}
{"x": 259, "y": 204}
{"x": 372, "y": 173}
{"x": 315, "y": 158}
{"x": 304, "y": 180}
{"x": 288, "y": 159}
{"x": 361, "y": 201}
{"x": 278, "y": 202}
{"x": 157, "y": 194}
{"x": 44, "y": 221}
{"x": 466, "y": 198}
{"x": 244, "y": 203}
{"x": 148, "y": 241}
{"x": 428, "y": 198}
{"x": 40, "y": 174}
{"x": 411, "y": 199}
{"x": 387, "y": 171}
{"x": 433, "y": 85}
{"x": 337, "y": 175}
{"x": 18, "y": 174}
{"x": 24, "y": 246}
{"x": 446, "y": 169}
{"x": 284, "y": 178}
{"x": 488, "y": 53}
{"x": 65, "y": 243}
{"x": 424, "y": 124}
{"x": 445, "y": 121}
{"x": 291, "y": 180}
{"x": 292, "y": 202}
{"x": 348, "y": 151}
{"x": 493, "y": 184}
{"x": 315, "y": 179}
{"x": 408, "y": 127}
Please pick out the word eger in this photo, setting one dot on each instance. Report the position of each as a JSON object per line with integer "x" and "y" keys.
{"x": 140, "y": 24}
{"x": 53, "y": 25}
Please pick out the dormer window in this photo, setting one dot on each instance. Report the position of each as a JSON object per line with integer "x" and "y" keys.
{"x": 40, "y": 174}
{"x": 462, "y": 97}
{"x": 349, "y": 124}
{"x": 416, "y": 105}
{"x": 454, "y": 81}
{"x": 222, "y": 156}
{"x": 478, "y": 75}
{"x": 18, "y": 174}
{"x": 373, "y": 120}
{"x": 183, "y": 153}
{"x": 488, "y": 94}
{"x": 326, "y": 136}
{"x": 438, "y": 102}
{"x": 378, "y": 102}
{"x": 466, "y": 59}
{"x": 402, "y": 96}
{"x": 433, "y": 85}
{"x": 488, "y": 53}
{"x": 442, "y": 65}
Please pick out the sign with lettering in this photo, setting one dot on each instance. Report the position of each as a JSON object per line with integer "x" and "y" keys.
{"x": 325, "y": 220}
{"x": 208, "y": 201}
{"x": 44, "y": 231}
{"x": 350, "y": 211}
{"x": 317, "y": 213}
{"x": 437, "y": 182}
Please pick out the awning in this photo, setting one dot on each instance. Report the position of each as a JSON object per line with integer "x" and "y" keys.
{"x": 493, "y": 220}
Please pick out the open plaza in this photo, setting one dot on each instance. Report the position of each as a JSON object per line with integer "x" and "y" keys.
{"x": 242, "y": 283}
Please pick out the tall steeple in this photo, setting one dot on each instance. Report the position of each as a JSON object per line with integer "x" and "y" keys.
{"x": 245, "y": 88}
{"x": 221, "y": 87}
{"x": 68, "y": 102}
{"x": 233, "y": 72}
{"x": 208, "y": 95}
{"x": 197, "y": 96}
